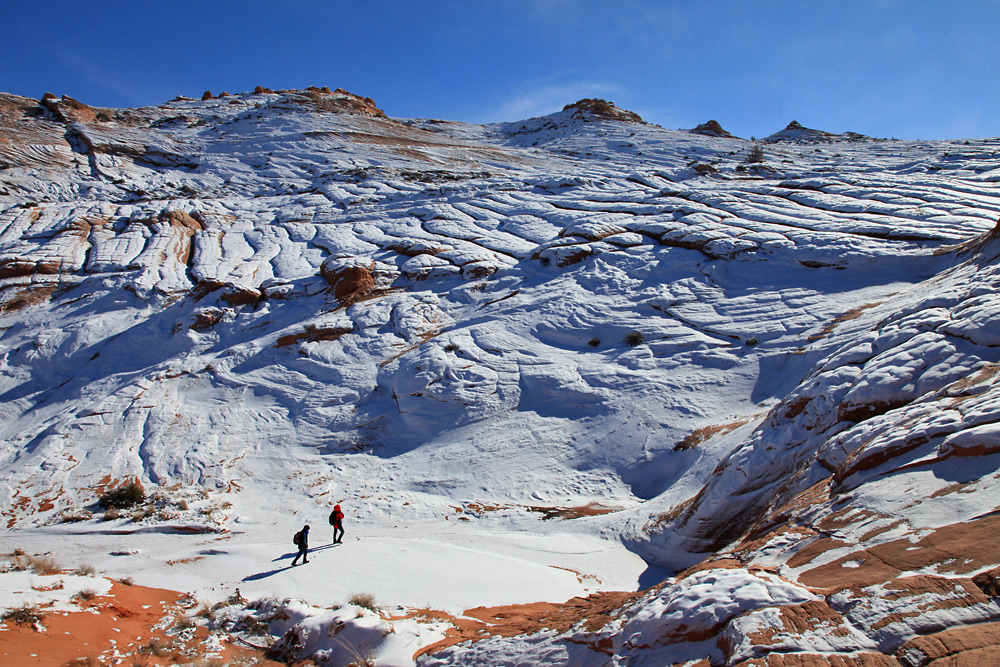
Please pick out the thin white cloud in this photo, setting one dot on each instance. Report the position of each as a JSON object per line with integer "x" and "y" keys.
{"x": 101, "y": 77}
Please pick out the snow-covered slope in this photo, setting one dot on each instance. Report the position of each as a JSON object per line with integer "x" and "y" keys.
{"x": 522, "y": 355}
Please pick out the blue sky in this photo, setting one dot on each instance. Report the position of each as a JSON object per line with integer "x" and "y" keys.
{"x": 913, "y": 69}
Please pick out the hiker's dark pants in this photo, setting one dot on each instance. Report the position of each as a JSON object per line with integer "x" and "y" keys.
{"x": 337, "y": 538}
{"x": 303, "y": 553}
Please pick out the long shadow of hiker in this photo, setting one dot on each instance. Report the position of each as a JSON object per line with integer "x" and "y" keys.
{"x": 287, "y": 555}
{"x": 265, "y": 575}
{"x": 284, "y": 556}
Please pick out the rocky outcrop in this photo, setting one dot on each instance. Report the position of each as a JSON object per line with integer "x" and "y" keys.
{"x": 797, "y": 133}
{"x": 339, "y": 101}
{"x": 711, "y": 128}
{"x": 598, "y": 109}
{"x": 350, "y": 280}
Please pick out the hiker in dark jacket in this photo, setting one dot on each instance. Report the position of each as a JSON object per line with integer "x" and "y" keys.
{"x": 337, "y": 521}
{"x": 301, "y": 540}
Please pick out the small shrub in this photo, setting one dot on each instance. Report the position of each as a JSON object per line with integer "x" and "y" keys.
{"x": 363, "y": 655}
{"x": 143, "y": 513}
{"x": 751, "y": 341}
{"x": 27, "y": 615}
{"x": 366, "y": 600}
{"x": 123, "y": 496}
{"x": 182, "y": 622}
{"x": 139, "y": 659}
{"x": 634, "y": 338}
{"x": 18, "y": 561}
{"x": 74, "y": 516}
{"x": 451, "y": 347}
{"x": 756, "y": 154}
{"x": 162, "y": 648}
{"x": 43, "y": 565}
{"x": 85, "y": 571}
{"x": 111, "y": 514}
{"x": 86, "y": 595}
{"x": 253, "y": 626}
{"x": 89, "y": 661}
{"x": 126, "y": 581}
{"x": 594, "y": 342}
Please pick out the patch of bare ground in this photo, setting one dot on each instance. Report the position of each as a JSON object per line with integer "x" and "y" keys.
{"x": 852, "y": 314}
{"x": 422, "y": 338}
{"x": 17, "y": 299}
{"x": 673, "y": 514}
{"x": 958, "y": 487}
{"x": 594, "y": 612}
{"x": 576, "y": 512}
{"x": 956, "y": 549}
{"x": 590, "y": 509}
{"x": 924, "y": 594}
{"x": 796, "y": 620}
{"x": 721, "y": 563}
{"x": 29, "y": 506}
{"x": 707, "y": 432}
{"x": 821, "y": 660}
{"x": 960, "y": 387}
{"x": 968, "y": 646}
{"x": 312, "y": 334}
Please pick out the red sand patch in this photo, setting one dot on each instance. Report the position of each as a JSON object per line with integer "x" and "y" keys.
{"x": 123, "y": 620}
{"x": 126, "y": 615}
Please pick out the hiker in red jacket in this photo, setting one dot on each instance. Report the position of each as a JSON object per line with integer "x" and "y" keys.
{"x": 337, "y": 521}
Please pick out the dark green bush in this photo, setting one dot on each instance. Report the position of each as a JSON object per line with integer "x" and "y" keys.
{"x": 123, "y": 496}
{"x": 594, "y": 342}
{"x": 634, "y": 338}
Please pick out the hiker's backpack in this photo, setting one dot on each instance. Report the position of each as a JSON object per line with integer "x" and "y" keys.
{"x": 297, "y": 539}
{"x": 336, "y": 517}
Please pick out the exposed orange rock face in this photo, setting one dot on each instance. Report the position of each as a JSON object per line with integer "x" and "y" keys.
{"x": 349, "y": 284}
{"x": 339, "y": 101}
{"x": 313, "y": 334}
{"x": 970, "y": 646}
{"x": 821, "y": 660}
{"x": 512, "y": 620}
{"x": 959, "y": 549}
{"x": 232, "y": 294}
{"x": 23, "y": 121}
{"x": 602, "y": 110}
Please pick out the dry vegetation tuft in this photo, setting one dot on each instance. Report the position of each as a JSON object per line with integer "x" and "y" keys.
{"x": 366, "y": 600}
{"x": 27, "y": 615}
{"x": 43, "y": 565}
{"x": 85, "y": 571}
